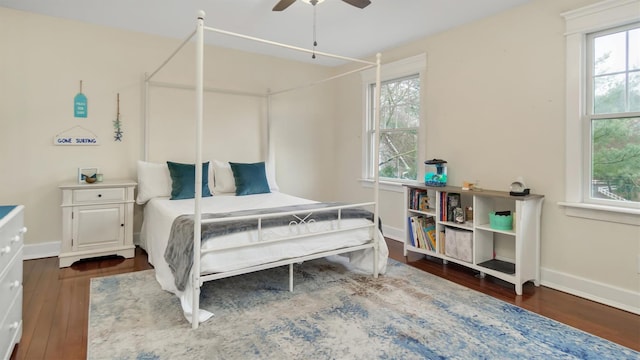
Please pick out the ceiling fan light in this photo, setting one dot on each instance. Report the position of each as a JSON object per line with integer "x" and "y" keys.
{"x": 310, "y": 3}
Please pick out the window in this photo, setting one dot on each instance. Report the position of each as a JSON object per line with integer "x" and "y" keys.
{"x": 400, "y": 114}
{"x": 399, "y": 125}
{"x": 603, "y": 112}
{"x": 613, "y": 116}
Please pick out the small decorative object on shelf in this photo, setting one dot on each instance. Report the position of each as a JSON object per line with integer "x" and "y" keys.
{"x": 458, "y": 215}
{"x": 437, "y": 176}
{"x": 518, "y": 188}
{"x": 87, "y": 175}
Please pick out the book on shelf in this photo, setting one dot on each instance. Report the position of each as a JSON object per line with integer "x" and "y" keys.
{"x": 423, "y": 201}
{"x": 429, "y": 228}
{"x": 444, "y": 204}
{"x": 411, "y": 232}
{"x": 420, "y": 233}
{"x": 453, "y": 202}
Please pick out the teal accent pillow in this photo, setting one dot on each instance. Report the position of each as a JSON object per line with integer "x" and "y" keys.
{"x": 183, "y": 177}
{"x": 250, "y": 178}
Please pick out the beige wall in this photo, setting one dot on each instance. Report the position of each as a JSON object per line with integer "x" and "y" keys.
{"x": 495, "y": 111}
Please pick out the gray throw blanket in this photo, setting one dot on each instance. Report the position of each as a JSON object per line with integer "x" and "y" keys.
{"x": 179, "y": 252}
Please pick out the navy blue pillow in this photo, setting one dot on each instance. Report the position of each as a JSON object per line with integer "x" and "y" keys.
{"x": 250, "y": 178}
{"x": 183, "y": 177}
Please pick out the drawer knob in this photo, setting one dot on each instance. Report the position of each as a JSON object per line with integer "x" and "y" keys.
{"x": 23, "y": 230}
{"x": 99, "y": 195}
{"x": 14, "y": 284}
{"x": 5, "y": 250}
{"x": 14, "y": 325}
{"x": 15, "y": 239}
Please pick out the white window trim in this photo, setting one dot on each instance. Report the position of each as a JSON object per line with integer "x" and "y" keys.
{"x": 579, "y": 23}
{"x": 409, "y": 66}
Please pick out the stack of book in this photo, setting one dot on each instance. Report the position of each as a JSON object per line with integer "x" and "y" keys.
{"x": 418, "y": 199}
{"x": 422, "y": 231}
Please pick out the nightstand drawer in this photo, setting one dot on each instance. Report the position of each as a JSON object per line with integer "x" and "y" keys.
{"x": 98, "y": 195}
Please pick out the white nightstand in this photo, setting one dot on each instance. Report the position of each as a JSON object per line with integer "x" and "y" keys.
{"x": 97, "y": 220}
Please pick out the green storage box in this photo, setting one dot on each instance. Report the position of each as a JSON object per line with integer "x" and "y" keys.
{"x": 500, "y": 222}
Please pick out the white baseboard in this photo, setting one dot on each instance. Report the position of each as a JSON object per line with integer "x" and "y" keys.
{"x": 42, "y": 250}
{"x": 624, "y": 299}
{"x": 50, "y": 249}
{"x": 393, "y": 233}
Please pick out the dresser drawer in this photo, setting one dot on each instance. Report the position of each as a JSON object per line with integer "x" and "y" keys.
{"x": 11, "y": 282}
{"x": 11, "y": 238}
{"x": 97, "y": 195}
{"x": 10, "y": 327}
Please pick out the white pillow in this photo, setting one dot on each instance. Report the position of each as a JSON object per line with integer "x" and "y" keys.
{"x": 270, "y": 168}
{"x": 154, "y": 180}
{"x": 224, "y": 182}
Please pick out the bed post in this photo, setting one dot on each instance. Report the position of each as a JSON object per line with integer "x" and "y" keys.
{"x": 270, "y": 155}
{"x": 195, "y": 317}
{"x": 376, "y": 174}
{"x": 145, "y": 133}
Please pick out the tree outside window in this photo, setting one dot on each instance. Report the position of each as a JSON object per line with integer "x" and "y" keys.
{"x": 399, "y": 125}
{"x": 614, "y": 115}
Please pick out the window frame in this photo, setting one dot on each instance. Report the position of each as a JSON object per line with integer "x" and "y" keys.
{"x": 397, "y": 70}
{"x": 579, "y": 24}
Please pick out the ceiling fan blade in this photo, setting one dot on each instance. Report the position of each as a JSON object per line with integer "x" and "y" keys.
{"x": 358, "y": 3}
{"x": 283, "y": 4}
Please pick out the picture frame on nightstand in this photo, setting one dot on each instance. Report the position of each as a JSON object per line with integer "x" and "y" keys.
{"x": 85, "y": 172}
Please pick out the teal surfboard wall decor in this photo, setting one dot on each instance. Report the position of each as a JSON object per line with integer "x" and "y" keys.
{"x": 80, "y": 104}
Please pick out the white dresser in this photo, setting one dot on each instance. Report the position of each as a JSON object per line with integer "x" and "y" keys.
{"x": 97, "y": 220}
{"x": 11, "y": 240}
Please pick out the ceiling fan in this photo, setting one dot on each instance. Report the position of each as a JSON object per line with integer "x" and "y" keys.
{"x": 283, "y": 4}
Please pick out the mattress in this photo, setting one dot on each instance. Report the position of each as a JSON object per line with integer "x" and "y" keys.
{"x": 159, "y": 214}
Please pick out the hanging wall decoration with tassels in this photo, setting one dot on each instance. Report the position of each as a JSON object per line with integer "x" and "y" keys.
{"x": 116, "y": 123}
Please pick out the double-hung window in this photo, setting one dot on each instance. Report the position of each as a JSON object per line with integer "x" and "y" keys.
{"x": 400, "y": 121}
{"x": 603, "y": 112}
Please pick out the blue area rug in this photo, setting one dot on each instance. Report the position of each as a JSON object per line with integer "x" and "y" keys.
{"x": 334, "y": 313}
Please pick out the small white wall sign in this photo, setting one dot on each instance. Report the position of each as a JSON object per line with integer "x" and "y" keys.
{"x": 77, "y": 136}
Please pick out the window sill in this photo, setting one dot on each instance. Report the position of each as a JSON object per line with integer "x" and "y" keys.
{"x": 602, "y": 212}
{"x": 392, "y": 186}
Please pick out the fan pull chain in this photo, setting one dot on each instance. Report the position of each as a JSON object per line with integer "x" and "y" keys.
{"x": 315, "y": 43}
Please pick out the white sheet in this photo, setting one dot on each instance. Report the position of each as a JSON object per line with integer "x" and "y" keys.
{"x": 159, "y": 214}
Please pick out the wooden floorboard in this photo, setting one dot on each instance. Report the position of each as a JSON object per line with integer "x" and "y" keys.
{"x": 56, "y": 302}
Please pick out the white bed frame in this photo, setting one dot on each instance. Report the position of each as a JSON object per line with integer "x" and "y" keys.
{"x": 197, "y": 278}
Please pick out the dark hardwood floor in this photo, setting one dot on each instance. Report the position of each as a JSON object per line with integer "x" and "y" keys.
{"x": 56, "y": 303}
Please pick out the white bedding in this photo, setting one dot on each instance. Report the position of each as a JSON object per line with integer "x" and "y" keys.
{"x": 159, "y": 214}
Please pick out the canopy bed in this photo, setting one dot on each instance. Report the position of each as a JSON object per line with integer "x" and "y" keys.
{"x": 244, "y": 224}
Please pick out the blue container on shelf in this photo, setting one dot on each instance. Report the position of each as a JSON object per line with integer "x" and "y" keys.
{"x": 435, "y": 172}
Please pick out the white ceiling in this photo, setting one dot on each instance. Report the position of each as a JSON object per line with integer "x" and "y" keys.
{"x": 341, "y": 28}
